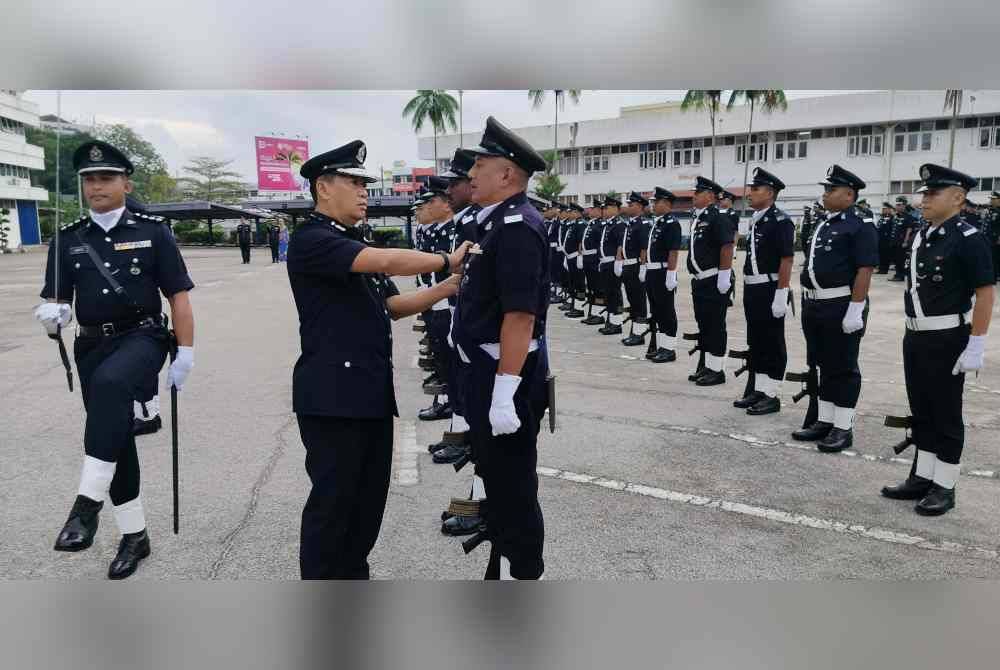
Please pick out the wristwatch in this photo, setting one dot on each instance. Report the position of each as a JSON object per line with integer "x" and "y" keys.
{"x": 447, "y": 261}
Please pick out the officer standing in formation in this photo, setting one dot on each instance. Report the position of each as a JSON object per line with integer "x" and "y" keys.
{"x": 805, "y": 231}
{"x": 970, "y": 214}
{"x": 949, "y": 266}
{"x": 589, "y": 261}
{"x": 634, "y": 239}
{"x": 244, "y": 238}
{"x": 610, "y": 267}
{"x": 906, "y": 225}
{"x": 709, "y": 262}
{"x": 115, "y": 263}
{"x": 499, "y": 331}
{"x": 885, "y": 224}
{"x": 273, "y": 239}
{"x": 767, "y": 274}
{"x": 342, "y": 387}
{"x": 993, "y": 231}
{"x": 843, "y": 254}
{"x": 555, "y": 215}
{"x": 573, "y": 261}
{"x": 659, "y": 274}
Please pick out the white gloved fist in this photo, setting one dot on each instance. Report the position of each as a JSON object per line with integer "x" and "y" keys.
{"x": 618, "y": 268}
{"x": 972, "y": 358}
{"x": 671, "y": 280}
{"x": 779, "y": 306}
{"x": 52, "y": 315}
{"x": 642, "y": 273}
{"x": 503, "y": 416}
{"x": 579, "y": 262}
{"x": 854, "y": 319}
{"x": 724, "y": 281}
{"x": 179, "y": 370}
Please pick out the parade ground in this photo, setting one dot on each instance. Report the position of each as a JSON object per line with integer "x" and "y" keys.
{"x": 646, "y": 477}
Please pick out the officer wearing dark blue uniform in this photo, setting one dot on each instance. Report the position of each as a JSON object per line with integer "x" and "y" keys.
{"x": 273, "y": 239}
{"x": 634, "y": 239}
{"x": 590, "y": 262}
{"x": 726, "y": 200}
{"x": 500, "y": 331}
{"x": 342, "y": 388}
{"x": 243, "y": 239}
{"x": 767, "y": 274}
{"x": 573, "y": 262}
{"x": 993, "y": 230}
{"x": 115, "y": 263}
{"x": 709, "y": 261}
{"x": 885, "y": 225}
{"x": 835, "y": 281}
{"x": 610, "y": 267}
{"x": 659, "y": 274}
{"x": 906, "y": 225}
{"x": 949, "y": 263}
{"x": 554, "y": 214}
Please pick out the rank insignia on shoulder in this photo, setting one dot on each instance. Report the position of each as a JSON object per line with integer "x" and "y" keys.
{"x": 513, "y": 218}
{"x": 476, "y": 249}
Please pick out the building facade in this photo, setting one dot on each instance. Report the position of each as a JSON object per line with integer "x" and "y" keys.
{"x": 18, "y": 160}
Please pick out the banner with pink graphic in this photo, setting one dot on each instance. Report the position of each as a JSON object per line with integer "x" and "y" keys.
{"x": 278, "y": 163}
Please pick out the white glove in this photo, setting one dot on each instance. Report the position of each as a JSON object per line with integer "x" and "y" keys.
{"x": 724, "y": 281}
{"x": 779, "y": 306}
{"x": 853, "y": 321}
{"x": 618, "y": 268}
{"x": 579, "y": 262}
{"x": 179, "y": 370}
{"x": 642, "y": 273}
{"x": 671, "y": 280}
{"x": 972, "y": 358}
{"x": 503, "y": 416}
{"x": 52, "y": 315}
{"x": 565, "y": 264}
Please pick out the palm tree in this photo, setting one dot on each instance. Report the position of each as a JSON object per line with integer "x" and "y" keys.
{"x": 700, "y": 101}
{"x": 461, "y": 133}
{"x": 436, "y": 106}
{"x": 537, "y": 97}
{"x": 769, "y": 100}
{"x": 953, "y": 99}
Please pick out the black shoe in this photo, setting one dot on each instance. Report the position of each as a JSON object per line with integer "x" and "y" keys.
{"x": 133, "y": 548}
{"x": 449, "y": 439}
{"x": 765, "y": 405}
{"x": 610, "y": 329}
{"x": 711, "y": 378}
{"x": 146, "y": 426}
{"x": 817, "y": 431}
{"x": 897, "y": 278}
{"x": 592, "y": 320}
{"x": 461, "y": 525}
{"x": 450, "y": 454}
{"x": 937, "y": 501}
{"x": 634, "y": 340}
{"x": 664, "y": 356}
{"x": 573, "y": 313}
{"x": 749, "y": 400}
{"x": 697, "y": 375}
{"x": 564, "y": 307}
{"x": 81, "y": 526}
{"x": 837, "y": 440}
{"x": 435, "y": 412}
{"x": 914, "y": 488}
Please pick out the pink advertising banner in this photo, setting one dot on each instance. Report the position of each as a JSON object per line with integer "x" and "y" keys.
{"x": 278, "y": 163}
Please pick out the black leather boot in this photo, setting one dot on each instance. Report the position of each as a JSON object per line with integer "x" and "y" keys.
{"x": 81, "y": 526}
{"x": 435, "y": 412}
{"x": 634, "y": 340}
{"x": 937, "y": 501}
{"x": 817, "y": 431}
{"x": 133, "y": 548}
{"x": 711, "y": 378}
{"x": 748, "y": 400}
{"x": 664, "y": 356}
{"x": 765, "y": 405}
{"x": 913, "y": 488}
{"x": 838, "y": 439}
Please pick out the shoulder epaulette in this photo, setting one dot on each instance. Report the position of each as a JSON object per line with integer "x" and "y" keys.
{"x": 967, "y": 229}
{"x": 149, "y": 217}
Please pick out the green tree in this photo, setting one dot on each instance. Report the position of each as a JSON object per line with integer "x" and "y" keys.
{"x": 953, "y": 99}
{"x": 768, "y": 100}
{"x": 538, "y": 97}
{"x": 141, "y": 152}
{"x": 548, "y": 184}
{"x": 46, "y": 139}
{"x": 704, "y": 100}
{"x": 437, "y": 106}
{"x": 210, "y": 179}
{"x": 162, "y": 188}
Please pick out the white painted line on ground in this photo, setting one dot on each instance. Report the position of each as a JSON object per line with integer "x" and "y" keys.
{"x": 770, "y": 514}
{"x": 404, "y": 456}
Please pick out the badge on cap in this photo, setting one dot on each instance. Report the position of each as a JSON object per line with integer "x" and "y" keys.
{"x": 829, "y": 172}
{"x": 925, "y": 173}
{"x": 96, "y": 154}
{"x": 362, "y": 152}
{"x": 135, "y": 270}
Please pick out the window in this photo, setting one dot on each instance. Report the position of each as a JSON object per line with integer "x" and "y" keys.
{"x": 566, "y": 199}
{"x": 652, "y": 155}
{"x": 989, "y": 183}
{"x": 758, "y": 148}
{"x": 865, "y": 141}
{"x": 687, "y": 152}
{"x": 595, "y": 159}
{"x": 14, "y": 171}
{"x": 11, "y": 126}
{"x": 908, "y": 186}
{"x": 913, "y": 136}
{"x": 791, "y": 144}
{"x": 989, "y": 132}
{"x": 569, "y": 161}
{"x": 816, "y": 134}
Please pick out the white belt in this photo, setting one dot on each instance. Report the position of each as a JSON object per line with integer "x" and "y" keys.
{"x": 942, "y": 322}
{"x": 630, "y": 261}
{"x": 655, "y": 266}
{"x": 607, "y": 259}
{"x": 759, "y": 279}
{"x": 554, "y": 245}
{"x": 493, "y": 348}
{"x": 572, "y": 255}
{"x": 826, "y": 293}
{"x": 705, "y": 274}
{"x": 589, "y": 252}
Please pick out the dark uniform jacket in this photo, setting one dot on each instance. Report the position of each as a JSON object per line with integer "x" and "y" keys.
{"x": 664, "y": 237}
{"x": 841, "y": 244}
{"x": 770, "y": 239}
{"x": 591, "y": 239}
{"x": 710, "y": 231}
{"x": 611, "y": 238}
{"x": 635, "y": 237}
{"x": 243, "y": 235}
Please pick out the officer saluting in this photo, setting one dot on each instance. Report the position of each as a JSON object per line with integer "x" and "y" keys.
{"x": 949, "y": 263}
{"x": 500, "y": 330}
{"x": 243, "y": 238}
{"x": 342, "y": 389}
{"x": 115, "y": 263}
{"x": 660, "y": 274}
{"x": 835, "y": 281}
{"x": 767, "y": 273}
{"x": 710, "y": 260}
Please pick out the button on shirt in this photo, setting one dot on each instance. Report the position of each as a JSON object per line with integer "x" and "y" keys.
{"x": 138, "y": 251}
{"x": 771, "y": 238}
{"x": 840, "y": 245}
{"x": 710, "y": 231}
{"x": 345, "y": 369}
{"x": 945, "y": 266}
{"x": 664, "y": 237}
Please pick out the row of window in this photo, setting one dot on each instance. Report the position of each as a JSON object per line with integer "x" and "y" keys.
{"x": 11, "y": 126}
{"x": 14, "y": 171}
{"x": 911, "y": 185}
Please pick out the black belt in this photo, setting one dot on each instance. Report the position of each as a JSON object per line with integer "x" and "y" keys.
{"x": 120, "y": 327}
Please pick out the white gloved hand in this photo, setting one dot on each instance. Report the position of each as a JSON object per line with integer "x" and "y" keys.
{"x": 724, "y": 281}
{"x": 179, "y": 370}
{"x": 618, "y": 268}
{"x": 779, "y": 306}
{"x": 579, "y": 262}
{"x": 972, "y": 358}
{"x": 853, "y": 320}
{"x": 671, "y": 280}
{"x": 565, "y": 264}
{"x": 503, "y": 416}
{"x": 52, "y": 315}
{"x": 642, "y": 273}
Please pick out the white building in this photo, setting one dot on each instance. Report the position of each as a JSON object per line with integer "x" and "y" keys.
{"x": 17, "y": 160}
{"x": 883, "y": 137}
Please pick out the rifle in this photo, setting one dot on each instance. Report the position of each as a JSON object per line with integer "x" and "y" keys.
{"x": 696, "y": 337}
{"x": 751, "y": 379}
{"x": 905, "y": 422}
{"x": 810, "y": 387}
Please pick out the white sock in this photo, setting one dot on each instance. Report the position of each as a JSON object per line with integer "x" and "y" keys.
{"x": 478, "y": 488}
{"x": 843, "y": 417}
{"x": 946, "y": 474}
{"x": 505, "y": 569}
{"x": 925, "y": 464}
{"x": 95, "y": 478}
{"x": 775, "y": 386}
{"x": 825, "y": 411}
{"x": 666, "y": 341}
{"x": 153, "y": 406}
{"x": 615, "y": 319}
{"x": 713, "y": 362}
{"x": 129, "y": 516}
{"x": 763, "y": 384}
{"x": 459, "y": 424}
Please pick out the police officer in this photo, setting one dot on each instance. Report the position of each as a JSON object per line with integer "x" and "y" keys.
{"x": 726, "y": 200}
{"x": 590, "y": 262}
{"x": 634, "y": 240}
{"x": 610, "y": 267}
{"x": 659, "y": 274}
{"x": 500, "y": 330}
{"x": 970, "y": 214}
{"x": 949, "y": 263}
{"x": 805, "y": 230}
{"x": 767, "y": 274}
{"x": 342, "y": 389}
{"x": 576, "y": 282}
{"x": 993, "y": 230}
{"x": 244, "y": 238}
{"x": 842, "y": 257}
{"x": 556, "y": 215}
{"x": 115, "y": 263}
{"x": 273, "y": 238}
{"x": 885, "y": 238}
{"x": 709, "y": 261}
{"x": 906, "y": 225}
{"x": 367, "y": 232}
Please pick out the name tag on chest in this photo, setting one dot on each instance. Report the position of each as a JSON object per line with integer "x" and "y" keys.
{"x": 128, "y": 246}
